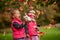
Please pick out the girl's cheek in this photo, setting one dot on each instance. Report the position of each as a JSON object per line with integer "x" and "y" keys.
{"x": 33, "y": 17}
{"x": 18, "y": 15}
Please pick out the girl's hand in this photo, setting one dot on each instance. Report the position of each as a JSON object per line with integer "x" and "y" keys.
{"x": 23, "y": 22}
{"x": 27, "y": 35}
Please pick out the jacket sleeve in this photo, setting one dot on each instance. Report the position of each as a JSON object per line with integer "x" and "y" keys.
{"x": 38, "y": 25}
{"x": 17, "y": 26}
{"x": 26, "y": 28}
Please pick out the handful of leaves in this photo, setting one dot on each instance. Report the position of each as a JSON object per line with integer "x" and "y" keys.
{"x": 41, "y": 33}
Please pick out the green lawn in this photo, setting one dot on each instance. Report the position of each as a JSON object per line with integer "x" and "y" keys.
{"x": 7, "y": 37}
{"x": 51, "y": 34}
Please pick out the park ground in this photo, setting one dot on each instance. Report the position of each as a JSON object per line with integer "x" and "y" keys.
{"x": 50, "y": 34}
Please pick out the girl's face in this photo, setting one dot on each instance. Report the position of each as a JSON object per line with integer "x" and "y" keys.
{"x": 17, "y": 14}
{"x": 32, "y": 16}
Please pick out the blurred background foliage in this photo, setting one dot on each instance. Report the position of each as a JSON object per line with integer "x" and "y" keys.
{"x": 49, "y": 10}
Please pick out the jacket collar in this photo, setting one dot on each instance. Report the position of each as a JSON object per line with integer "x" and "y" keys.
{"x": 17, "y": 19}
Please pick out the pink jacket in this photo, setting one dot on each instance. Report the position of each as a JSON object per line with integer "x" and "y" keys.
{"x": 18, "y": 33}
{"x": 32, "y": 28}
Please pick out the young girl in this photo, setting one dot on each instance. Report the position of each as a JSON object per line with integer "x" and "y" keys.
{"x": 32, "y": 26}
{"x": 17, "y": 26}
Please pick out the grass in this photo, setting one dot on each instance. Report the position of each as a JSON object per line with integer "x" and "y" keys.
{"x": 7, "y": 37}
{"x": 51, "y": 34}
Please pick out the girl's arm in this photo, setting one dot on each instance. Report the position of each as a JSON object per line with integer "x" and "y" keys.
{"x": 26, "y": 28}
{"x": 17, "y": 26}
